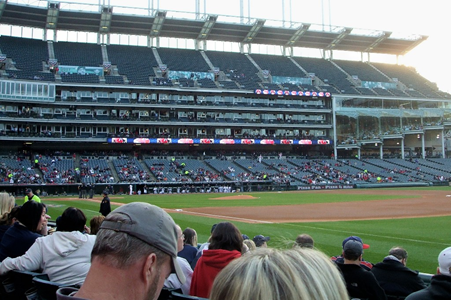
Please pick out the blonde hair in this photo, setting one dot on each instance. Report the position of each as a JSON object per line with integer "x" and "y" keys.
{"x": 250, "y": 244}
{"x": 272, "y": 274}
{"x": 7, "y": 203}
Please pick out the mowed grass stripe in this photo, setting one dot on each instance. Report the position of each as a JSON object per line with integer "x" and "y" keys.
{"x": 423, "y": 238}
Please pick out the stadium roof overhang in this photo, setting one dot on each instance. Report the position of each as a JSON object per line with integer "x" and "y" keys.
{"x": 301, "y": 35}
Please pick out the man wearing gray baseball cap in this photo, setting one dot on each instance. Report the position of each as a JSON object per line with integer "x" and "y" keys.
{"x": 134, "y": 252}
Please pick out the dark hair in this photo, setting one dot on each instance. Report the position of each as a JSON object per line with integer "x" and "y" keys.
{"x": 398, "y": 252}
{"x": 13, "y": 214}
{"x": 190, "y": 235}
{"x": 350, "y": 254}
{"x": 72, "y": 219}
{"x": 304, "y": 241}
{"x": 30, "y": 214}
{"x": 226, "y": 236}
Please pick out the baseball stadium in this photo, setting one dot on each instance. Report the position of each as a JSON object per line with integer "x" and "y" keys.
{"x": 191, "y": 112}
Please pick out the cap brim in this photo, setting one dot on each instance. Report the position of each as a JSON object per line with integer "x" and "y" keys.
{"x": 178, "y": 270}
{"x": 366, "y": 246}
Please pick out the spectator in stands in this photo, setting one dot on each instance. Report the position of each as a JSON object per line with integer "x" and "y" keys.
{"x": 105, "y": 205}
{"x": 440, "y": 287}
{"x": 260, "y": 240}
{"x": 189, "y": 250}
{"x": 136, "y": 247}
{"x": 30, "y": 196}
{"x": 359, "y": 282}
{"x": 32, "y": 223}
{"x": 280, "y": 275}
{"x": 7, "y": 203}
{"x": 65, "y": 256}
{"x": 172, "y": 281}
{"x": 226, "y": 244}
{"x": 11, "y": 218}
{"x": 363, "y": 263}
{"x": 95, "y": 223}
{"x": 393, "y": 275}
{"x": 304, "y": 241}
{"x": 250, "y": 245}
{"x": 202, "y": 247}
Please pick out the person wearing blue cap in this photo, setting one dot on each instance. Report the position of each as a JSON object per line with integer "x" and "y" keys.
{"x": 260, "y": 240}
{"x": 360, "y": 283}
{"x": 363, "y": 263}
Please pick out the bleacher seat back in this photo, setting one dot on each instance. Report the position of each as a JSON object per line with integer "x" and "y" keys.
{"x": 46, "y": 289}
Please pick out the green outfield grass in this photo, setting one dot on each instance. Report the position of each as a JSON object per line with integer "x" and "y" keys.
{"x": 423, "y": 238}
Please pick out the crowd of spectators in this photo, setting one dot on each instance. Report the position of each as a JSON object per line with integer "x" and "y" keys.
{"x": 230, "y": 265}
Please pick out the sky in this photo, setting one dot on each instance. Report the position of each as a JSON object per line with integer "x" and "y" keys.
{"x": 431, "y": 59}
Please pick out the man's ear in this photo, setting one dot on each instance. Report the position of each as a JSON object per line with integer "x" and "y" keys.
{"x": 149, "y": 267}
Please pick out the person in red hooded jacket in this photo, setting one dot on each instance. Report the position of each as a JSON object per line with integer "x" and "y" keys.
{"x": 226, "y": 244}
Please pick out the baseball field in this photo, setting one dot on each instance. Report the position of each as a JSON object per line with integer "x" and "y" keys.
{"x": 414, "y": 218}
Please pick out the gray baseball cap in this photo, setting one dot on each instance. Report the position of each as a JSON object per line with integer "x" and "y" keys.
{"x": 150, "y": 224}
{"x": 353, "y": 246}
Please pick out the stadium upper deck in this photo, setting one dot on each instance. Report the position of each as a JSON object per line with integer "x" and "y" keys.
{"x": 87, "y": 94}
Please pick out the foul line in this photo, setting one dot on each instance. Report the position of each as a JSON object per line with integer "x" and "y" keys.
{"x": 217, "y": 216}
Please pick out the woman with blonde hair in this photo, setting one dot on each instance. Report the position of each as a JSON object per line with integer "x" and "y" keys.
{"x": 7, "y": 203}
{"x": 272, "y": 274}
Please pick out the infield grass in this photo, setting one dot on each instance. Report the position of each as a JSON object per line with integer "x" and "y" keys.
{"x": 423, "y": 238}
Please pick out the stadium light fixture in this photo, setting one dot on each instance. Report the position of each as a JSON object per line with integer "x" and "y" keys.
{"x": 158, "y": 21}
{"x": 207, "y": 27}
{"x": 53, "y": 9}
{"x": 344, "y": 33}
{"x": 297, "y": 35}
{"x": 105, "y": 19}
{"x": 385, "y": 35}
{"x": 254, "y": 31}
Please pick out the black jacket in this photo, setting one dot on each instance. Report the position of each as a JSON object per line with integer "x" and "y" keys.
{"x": 439, "y": 289}
{"x": 105, "y": 206}
{"x": 396, "y": 279}
{"x": 361, "y": 283}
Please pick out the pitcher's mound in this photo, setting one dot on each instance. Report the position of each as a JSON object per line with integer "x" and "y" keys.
{"x": 237, "y": 197}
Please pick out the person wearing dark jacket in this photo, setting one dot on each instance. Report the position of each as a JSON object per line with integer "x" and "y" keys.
{"x": 440, "y": 287}
{"x": 105, "y": 206}
{"x": 393, "y": 275}
{"x": 359, "y": 282}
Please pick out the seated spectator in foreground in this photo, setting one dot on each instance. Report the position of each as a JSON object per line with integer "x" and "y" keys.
{"x": 202, "y": 247}
{"x": 440, "y": 287}
{"x": 363, "y": 263}
{"x": 261, "y": 241}
{"x": 172, "y": 281}
{"x": 304, "y": 241}
{"x": 31, "y": 224}
{"x": 65, "y": 256}
{"x": 10, "y": 220}
{"x": 189, "y": 250}
{"x": 226, "y": 244}
{"x": 7, "y": 203}
{"x": 134, "y": 252}
{"x": 280, "y": 275}
{"x": 359, "y": 282}
{"x": 250, "y": 245}
{"x": 393, "y": 275}
{"x": 95, "y": 223}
